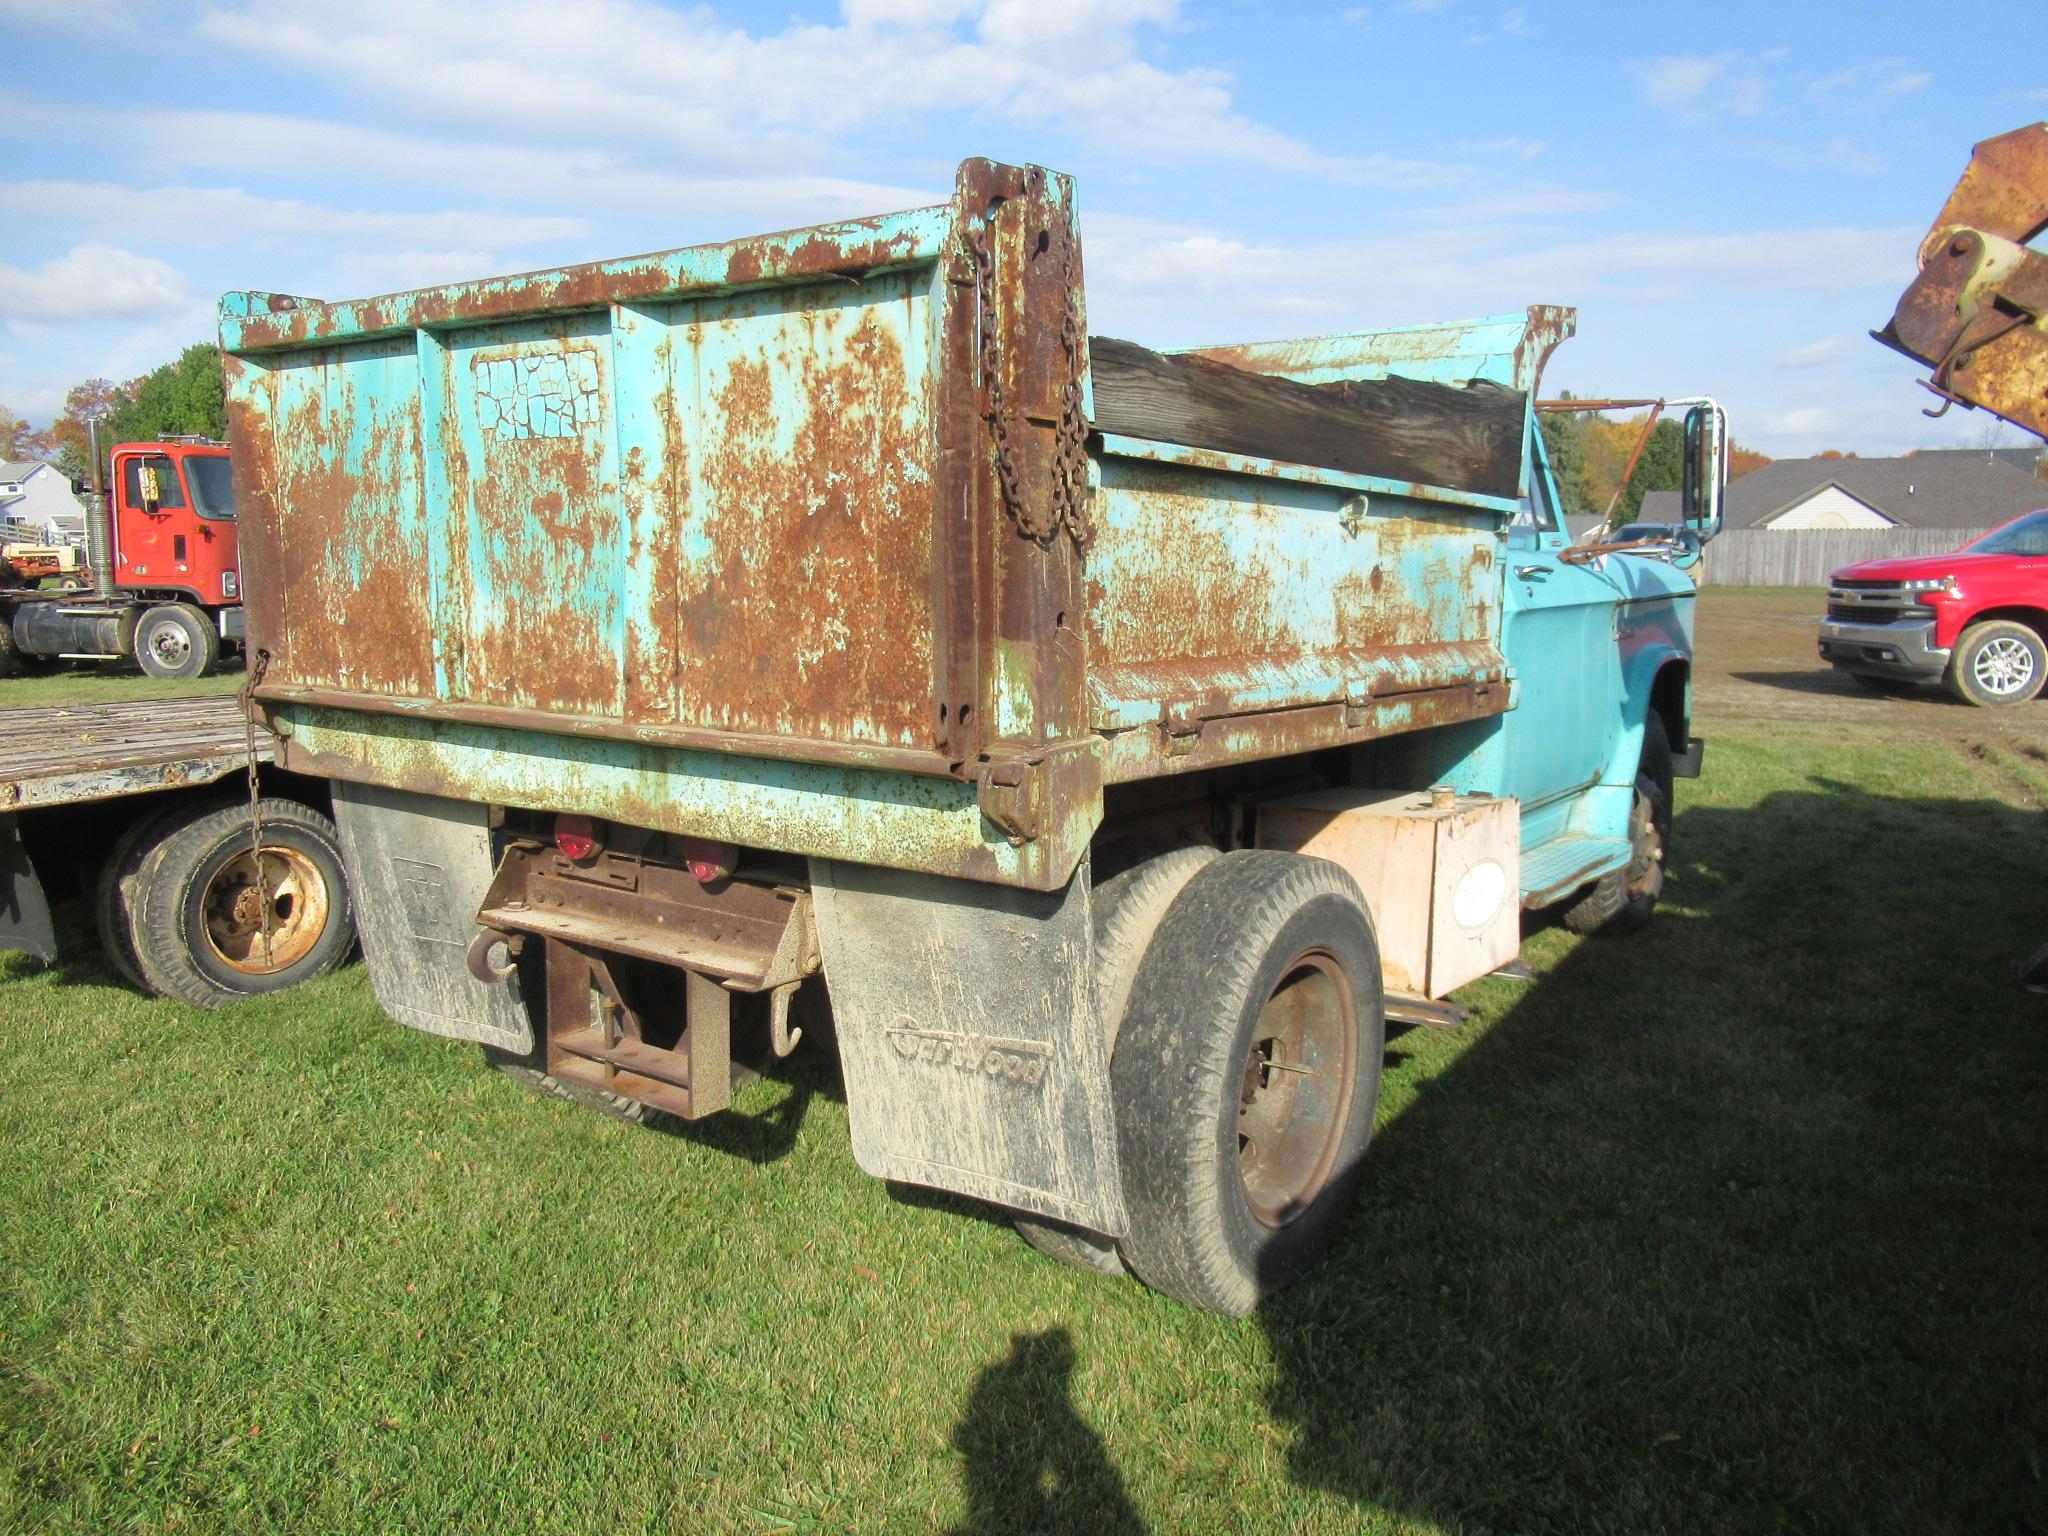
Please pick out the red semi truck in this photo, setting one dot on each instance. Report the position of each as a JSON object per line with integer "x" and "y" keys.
{"x": 165, "y": 565}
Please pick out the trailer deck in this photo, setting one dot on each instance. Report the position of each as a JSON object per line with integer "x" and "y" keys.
{"x": 68, "y": 754}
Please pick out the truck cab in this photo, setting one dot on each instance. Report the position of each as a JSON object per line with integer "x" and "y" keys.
{"x": 174, "y": 522}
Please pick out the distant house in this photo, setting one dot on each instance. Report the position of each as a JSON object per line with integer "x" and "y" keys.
{"x": 1942, "y": 488}
{"x": 34, "y": 496}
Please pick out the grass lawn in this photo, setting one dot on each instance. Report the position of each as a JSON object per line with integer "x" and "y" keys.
{"x": 1734, "y": 1226}
{"x": 82, "y": 684}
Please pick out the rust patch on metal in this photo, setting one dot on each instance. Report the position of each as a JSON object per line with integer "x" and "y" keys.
{"x": 811, "y": 612}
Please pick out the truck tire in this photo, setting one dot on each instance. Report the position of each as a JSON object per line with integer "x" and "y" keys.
{"x": 113, "y": 907}
{"x": 1141, "y": 881}
{"x": 1236, "y": 1172}
{"x": 197, "y": 903}
{"x": 1623, "y": 901}
{"x": 11, "y": 659}
{"x": 1997, "y": 662}
{"x": 175, "y": 640}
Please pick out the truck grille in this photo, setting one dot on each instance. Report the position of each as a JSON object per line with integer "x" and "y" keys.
{"x": 1873, "y": 602}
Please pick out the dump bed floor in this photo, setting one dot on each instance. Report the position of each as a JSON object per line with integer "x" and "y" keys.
{"x": 70, "y": 753}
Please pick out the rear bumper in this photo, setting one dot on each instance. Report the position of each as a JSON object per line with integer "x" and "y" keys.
{"x": 1903, "y": 650}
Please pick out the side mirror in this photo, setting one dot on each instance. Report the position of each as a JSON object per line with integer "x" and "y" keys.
{"x": 1706, "y": 458}
{"x": 152, "y": 493}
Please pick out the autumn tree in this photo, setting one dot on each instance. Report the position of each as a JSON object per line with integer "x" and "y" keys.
{"x": 1564, "y": 444}
{"x": 1743, "y": 461}
{"x": 93, "y": 398}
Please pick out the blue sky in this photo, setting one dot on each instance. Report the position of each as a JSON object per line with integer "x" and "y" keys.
{"x": 1731, "y": 195}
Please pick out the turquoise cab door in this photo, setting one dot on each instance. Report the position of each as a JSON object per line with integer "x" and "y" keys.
{"x": 1558, "y": 634}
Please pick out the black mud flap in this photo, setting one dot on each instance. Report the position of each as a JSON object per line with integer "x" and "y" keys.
{"x": 1686, "y": 764}
{"x": 974, "y": 1057}
{"x": 24, "y": 910}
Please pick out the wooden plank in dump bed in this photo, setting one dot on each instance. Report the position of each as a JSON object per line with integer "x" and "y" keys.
{"x": 65, "y": 754}
{"x": 1466, "y": 438}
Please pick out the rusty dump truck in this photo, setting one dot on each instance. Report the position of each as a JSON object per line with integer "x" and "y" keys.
{"x": 1118, "y": 737}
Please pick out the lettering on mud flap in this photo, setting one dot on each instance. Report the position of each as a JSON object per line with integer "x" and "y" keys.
{"x": 1016, "y": 1061}
{"x": 422, "y": 891}
{"x": 547, "y": 394}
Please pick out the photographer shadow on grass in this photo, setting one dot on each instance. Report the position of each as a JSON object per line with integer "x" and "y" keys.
{"x": 1732, "y": 1225}
{"x": 1033, "y": 1464}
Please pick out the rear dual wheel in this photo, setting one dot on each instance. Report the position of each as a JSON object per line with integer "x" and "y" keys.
{"x": 1245, "y": 1067}
{"x": 184, "y": 902}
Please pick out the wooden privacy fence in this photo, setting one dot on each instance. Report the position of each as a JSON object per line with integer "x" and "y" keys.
{"x": 1806, "y": 557}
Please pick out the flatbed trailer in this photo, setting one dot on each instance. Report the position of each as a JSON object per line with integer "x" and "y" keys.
{"x": 142, "y": 807}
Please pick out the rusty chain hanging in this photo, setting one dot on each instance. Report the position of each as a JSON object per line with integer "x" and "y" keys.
{"x": 254, "y": 679}
{"x": 1067, "y": 507}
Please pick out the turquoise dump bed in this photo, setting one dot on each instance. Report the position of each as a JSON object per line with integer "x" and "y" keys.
{"x": 838, "y": 542}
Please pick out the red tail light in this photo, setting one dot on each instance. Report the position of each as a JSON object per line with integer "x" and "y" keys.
{"x": 708, "y": 862}
{"x": 577, "y": 839}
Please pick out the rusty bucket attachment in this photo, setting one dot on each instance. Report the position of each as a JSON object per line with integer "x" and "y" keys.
{"x": 1978, "y": 312}
{"x": 614, "y": 930}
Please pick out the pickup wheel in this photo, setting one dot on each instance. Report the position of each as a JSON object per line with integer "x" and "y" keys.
{"x": 198, "y": 901}
{"x": 1138, "y": 881}
{"x": 1997, "y": 662}
{"x": 1623, "y": 901}
{"x": 1246, "y": 1076}
{"x": 175, "y": 640}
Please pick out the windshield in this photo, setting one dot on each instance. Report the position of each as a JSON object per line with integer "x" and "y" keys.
{"x": 213, "y": 487}
{"x": 2028, "y": 536}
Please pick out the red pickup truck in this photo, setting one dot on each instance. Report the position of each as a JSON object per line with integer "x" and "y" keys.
{"x": 1974, "y": 619}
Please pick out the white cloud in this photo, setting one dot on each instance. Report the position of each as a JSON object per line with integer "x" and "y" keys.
{"x": 1864, "y": 88}
{"x": 1813, "y": 354}
{"x": 712, "y": 97}
{"x": 230, "y": 217}
{"x": 1694, "y": 86}
{"x": 1807, "y": 421}
{"x": 91, "y": 282}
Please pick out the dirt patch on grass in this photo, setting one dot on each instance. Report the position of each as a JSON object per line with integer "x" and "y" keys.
{"x": 1757, "y": 662}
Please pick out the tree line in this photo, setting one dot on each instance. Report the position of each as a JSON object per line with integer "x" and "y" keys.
{"x": 183, "y": 398}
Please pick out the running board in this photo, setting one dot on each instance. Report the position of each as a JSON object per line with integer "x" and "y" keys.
{"x": 1552, "y": 872}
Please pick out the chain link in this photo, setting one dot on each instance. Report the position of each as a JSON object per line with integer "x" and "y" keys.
{"x": 258, "y": 666}
{"x": 1067, "y": 506}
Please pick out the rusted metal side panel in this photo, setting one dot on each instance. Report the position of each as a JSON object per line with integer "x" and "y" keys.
{"x": 1214, "y": 594}
{"x": 333, "y": 517}
{"x": 702, "y": 509}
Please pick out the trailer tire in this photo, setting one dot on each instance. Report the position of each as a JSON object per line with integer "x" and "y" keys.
{"x": 1236, "y": 1176}
{"x": 113, "y": 906}
{"x": 1623, "y": 901}
{"x": 1997, "y": 662}
{"x": 196, "y": 905}
{"x": 12, "y": 662}
{"x": 175, "y": 640}
{"x": 1138, "y": 881}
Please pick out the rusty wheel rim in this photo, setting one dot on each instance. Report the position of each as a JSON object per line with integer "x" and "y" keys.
{"x": 1295, "y": 1094}
{"x": 1647, "y": 837}
{"x": 233, "y": 905}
